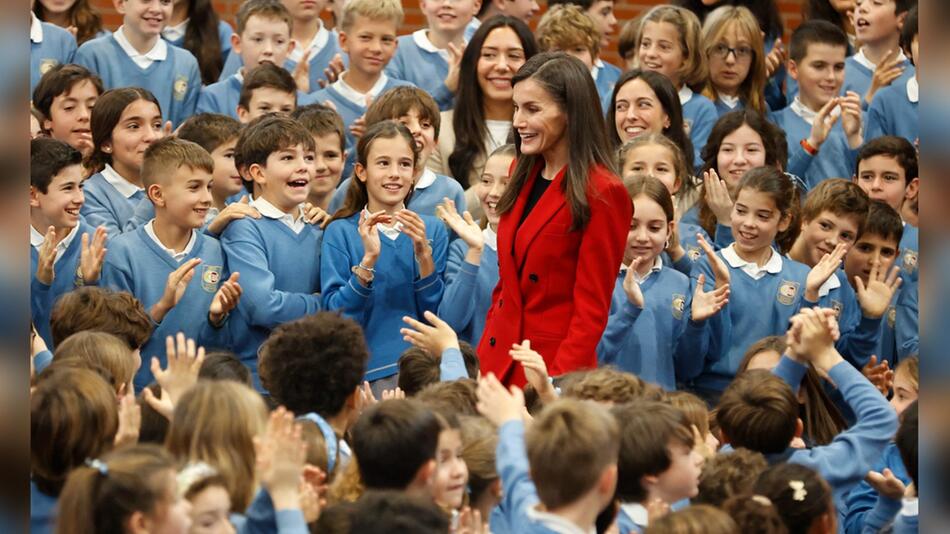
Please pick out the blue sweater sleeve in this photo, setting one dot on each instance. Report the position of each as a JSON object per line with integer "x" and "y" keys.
{"x": 41, "y": 361}
{"x": 791, "y": 372}
{"x": 429, "y": 290}
{"x": 618, "y": 334}
{"x": 511, "y": 459}
{"x": 262, "y": 518}
{"x": 907, "y": 323}
{"x": 97, "y": 213}
{"x": 340, "y": 287}
{"x": 883, "y": 513}
{"x": 724, "y": 236}
{"x": 460, "y": 277}
{"x": 267, "y": 306}
{"x": 144, "y": 212}
{"x": 452, "y": 365}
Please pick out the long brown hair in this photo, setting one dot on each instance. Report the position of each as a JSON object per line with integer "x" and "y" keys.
{"x": 106, "y": 115}
{"x": 82, "y": 15}
{"x": 779, "y": 186}
{"x": 752, "y": 90}
{"x": 569, "y": 83}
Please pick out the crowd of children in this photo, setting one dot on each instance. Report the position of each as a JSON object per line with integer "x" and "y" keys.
{"x": 261, "y": 259}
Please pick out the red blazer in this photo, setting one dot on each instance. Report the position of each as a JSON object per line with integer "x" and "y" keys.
{"x": 555, "y": 284}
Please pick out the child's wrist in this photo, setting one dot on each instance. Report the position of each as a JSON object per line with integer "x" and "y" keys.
{"x": 369, "y": 260}
{"x": 284, "y": 498}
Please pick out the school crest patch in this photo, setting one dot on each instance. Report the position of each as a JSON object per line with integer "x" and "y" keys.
{"x": 891, "y": 316}
{"x": 78, "y": 279}
{"x": 787, "y": 291}
{"x": 693, "y": 253}
{"x": 47, "y": 64}
{"x": 687, "y": 125}
{"x": 909, "y": 261}
{"x": 180, "y": 87}
{"x": 837, "y": 306}
{"x": 679, "y": 304}
{"x": 210, "y": 276}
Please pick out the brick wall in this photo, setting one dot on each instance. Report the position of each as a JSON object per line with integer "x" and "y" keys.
{"x": 625, "y": 9}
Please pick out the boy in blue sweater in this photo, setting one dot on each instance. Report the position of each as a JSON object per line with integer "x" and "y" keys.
{"x": 267, "y": 89}
{"x": 894, "y": 109}
{"x": 430, "y": 57}
{"x": 65, "y": 98}
{"x": 263, "y": 35}
{"x": 58, "y": 260}
{"x": 277, "y": 254}
{"x": 817, "y": 61}
{"x": 326, "y": 127}
{"x": 759, "y": 410}
{"x": 50, "y": 45}
{"x": 158, "y": 260}
{"x": 879, "y": 62}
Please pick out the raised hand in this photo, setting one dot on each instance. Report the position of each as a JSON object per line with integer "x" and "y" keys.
{"x": 232, "y": 212}
{"x": 455, "y": 63}
{"x": 225, "y": 299}
{"x": 876, "y": 296}
{"x": 183, "y": 361}
{"x": 175, "y": 287}
{"x": 47, "y": 256}
{"x": 301, "y": 73}
{"x": 815, "y": 340}
{"x": 464, "y": 225}
{"x": 332, "y": 72}
{"x": 315, "y": 215}
{"x": 393, "y": 394}
{"x": 497, "y": 404}
{"x": 717, "y": 197}
{"x": 851, "y": 119}
{"x": 92, "y": 255}
{"x": 776, "y": 58}
{"x": 824, "y": 122}
{"x": 706, "y": 304}
{"x": 535, "y": 370}
{"x": 886, "y": 71}
{"x": 281, "y": 453}
{"x": 823, "y": 270}
{"x": 470, "y": 522}
{"x": 886, "y": 484}
{"x": 434, "y": 339}
{"x": 415, "y": 228}
{"x": 630, "y": 285}
{"x": 719, "y": 269}
{"x": 879, "y": 374}
{"x": 130, "y": 421}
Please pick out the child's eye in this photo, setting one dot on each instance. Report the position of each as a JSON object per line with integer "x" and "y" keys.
{"x": 824, "y": 226}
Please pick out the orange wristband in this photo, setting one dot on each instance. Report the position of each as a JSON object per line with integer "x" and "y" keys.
{"x": 812, "y": 151}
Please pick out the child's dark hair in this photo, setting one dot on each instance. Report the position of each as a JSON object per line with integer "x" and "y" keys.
{"x": 94, "y": 308}
{"x": 224, "y": 365}
{"x": 815, "y": 32}
{"x": 695, "y": 519}
{"x": 906, "y": 440}
{"x": 646, "y": 431}
{"x": 320, "y": 120}
{"x": 453, "y": 398}
{"x": 758, "y": 411}
{"x": 399, "y": 101}
{"x": 397, "y": 511}
{"x": 105, "y": 117}
{"x": 909, "y": 32}
{"x": 266, "y": 135}
{"x": 47, "y": 158}
{"x": 894, "y": 147}
{"x": 101, "y": 497}
{"x": 653, "y": 189}
{"x": 266, "y": 75}
{"x": 82, "y": 15}
{"x": 59, "y": 80}
{"x": 728, "y": 475}
{"x": 209, "y": 130}
{"x": 315, "y": 363}
{"x": 356, "y": 195}
{"x": 392, "y": 440}
{"x": 841, "y": 197}
{"x": 201, "y": 39}
{"x": 798, "y": 493}
{"x": 272, "y": 9}
{"x": 779, "y": 186}
{"x": 754, "y": 514}
{"x": 73, "y": 416}
{"x": 884, "y": 221}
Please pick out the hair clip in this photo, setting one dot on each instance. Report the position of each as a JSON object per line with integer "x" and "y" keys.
{"x": 98, "y": 465}
{"x": 799, "y": 491}
{"x": 762, "y": 499}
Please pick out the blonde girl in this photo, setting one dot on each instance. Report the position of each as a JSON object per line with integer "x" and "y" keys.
{"x": 734, "y": 49}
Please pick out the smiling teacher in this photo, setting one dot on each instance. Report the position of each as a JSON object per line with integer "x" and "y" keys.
{"x": 564, "y": 222}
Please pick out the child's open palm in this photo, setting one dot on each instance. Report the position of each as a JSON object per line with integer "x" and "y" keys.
{"x": 281, "y": 453}
{"x": 876, "y": 296}
{"x": 183, "y": 361}
{"x": 823, "y": 270}
{"x": 464, "y": 225}
{"x": 175, "y": 286}
{"x": 719, "y": 269}
{"x": 630, "y": 285}
{"x": 415, "y": 228}
{"x": 535, "y": 370}
{"x": 851, "y": 119}
{"x": 886, "y": 484}
{"x": 717, "y": 197}
{"x": 824, "y": 122}
{"x": 434, "y": 339}
{"x": 92, "y": 255}
{"x": 130, "y": 421}
{"x": 47, "y": 256}
{"x": 225, "y": 299}
{"x": 301, "y": 73}
{"x": 455, "y": 65}
{"x": 707, "y": 303}
{"x": 497, "y": 404}
{"x": 886, "y": 71}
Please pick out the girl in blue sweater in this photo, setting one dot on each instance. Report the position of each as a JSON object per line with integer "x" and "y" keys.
{"x": 472, "y": 270}
{"x": 381, "y": 261}
{"x": 652, "y": 307}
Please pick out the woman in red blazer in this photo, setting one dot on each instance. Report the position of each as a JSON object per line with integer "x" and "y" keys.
{"x": 563, "y": 227}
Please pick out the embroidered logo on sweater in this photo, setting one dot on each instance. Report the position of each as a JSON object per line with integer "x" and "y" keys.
{"x": 910, "y": 261}
{"x": 837, "y": 306}
{"x": 787, "y": 291}
{"x": 78, "y": 279}
{"x": 891, "y": 316}
{"x": 210, "y": 277}
{"x": 180, "y": 87}
{"x": 693, "y": 253}
{"x": 47, "y": 64}
{"x": 679, "y": 304}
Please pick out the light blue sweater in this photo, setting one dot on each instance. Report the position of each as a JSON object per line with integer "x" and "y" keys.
{"x": 57, "y": 48}
{"x": 423, "y": 68}
{"x": 468, "y": 291}
{"x": 607, "y": 76}
{"x": 220, "y": 97}
{"x": 318, "y": 62}
{"x": 107, "y": 207}
{"x": 892, "y": 113}
{"x": 700, "y": 114}
{"x": 423, "y": 201}
{"x": 835, "y": 158}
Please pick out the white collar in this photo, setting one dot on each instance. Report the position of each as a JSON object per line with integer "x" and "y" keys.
{"x": 176, "y": 32}
{"x": 913, "y": 89}
{"x": 731, "y": 101}
{"x": 37, "y": 239}
{"x": 491, "y": 238}
{"x": 177, "y": 256}
{"x": 831, "y": 283}
{"x": 636, "y": 512}
{"x": 909, "y": 506}
{"x": 317, "y": 44}
{"x": 240, "y": 75}
{"x": 158, "y": 52}
{"x": 595, "y": 70}
{"x": 123, "y": 186}
{"x": 36, "y": 29}
{"x": 808, "y": 115}
{"x": 271, "y": 211}
{"x": 773, "y": 266}
{"x": 392, "y": 232}
{"x": 863, "y": 60}
{"x": 555, "y": 522}
{"x": 428, "y": 178}
{"x": 686, "y": 94}
{"x": 421, "y": 39}
{"x": 357, "y": 97}
{"x": 657, "y": 266}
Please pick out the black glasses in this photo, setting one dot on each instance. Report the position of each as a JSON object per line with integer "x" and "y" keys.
{"x": 723, "y": 50}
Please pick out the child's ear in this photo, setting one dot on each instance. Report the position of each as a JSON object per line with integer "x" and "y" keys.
{"x": 666, "y": 121}
{"x": 106, "y": 147}
{"x": 792, "y": 68}
{"x": 119, "y": 6}
{"x": 156, "y": 195}
{"x": 34, "y": 197}
{"x": 799, "y": 428}
{"x": 647, "y": 482}
{"x": 607, "y": 484}
{"x": 138, "y": 523}
{"x": 242, "y": 113}
{"x": 478, "y": 5}
{"x": 495, "y": 488}
{"x": 236, "y": 43}
{"x": 424, "y": 475}
{"x": 256, "y": 172}
{"x": 291, "y": 46}
{"x": 359, "y": 171}
{"x": 342, "y": 40}
{"x": 912, "y": 189}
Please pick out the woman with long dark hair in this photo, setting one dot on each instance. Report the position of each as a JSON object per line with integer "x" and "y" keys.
{"x": 563, "y": 227}
{"x": 195, "y": 27}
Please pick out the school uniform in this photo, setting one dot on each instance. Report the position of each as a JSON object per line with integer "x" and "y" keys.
{"x": 907, "y": 321}
{"x": 605, "y": 78}
{"x": 761, "y": 302}
{"x": 894, "y": 112}
{"x": 700, "y": 116}
{"x": 643, "y": 341}
{"x": 419, "y": 62}
{"x": 909, "y": 259}
{"x": 175, "y": 35}
{"x": 145, "y": 211}
{"x": 845, "y": 461}
{"x": 727, "y": 104}
{"x": 278, "y": 257}
{"x": 42, "y": 511}
{"x": 471, "y": 28}
{"x": 137, "y": 262}
{"x": 835, "y": 159}
{"x": 323, "y": 47}
{"x": 468, "y": 288}
{"x": 428, "y": 193}
{"x": 168, "y": 72}
{"x": 396, "y": 290}
{"x": 50, "y": 45}
{"x": 864, "y": 505}
{"x": 221, "y": 97}
{"x": 775, "y": 96}
{"x": 908, "y": 521}
{"x": 859, "y": 71}
{"x": 859, "y": 334}
{"x": 691, "y": 248}
{"x": 66, "y": 275}
{"x": 632, "y": 518}
{"x": 110, "y": 200}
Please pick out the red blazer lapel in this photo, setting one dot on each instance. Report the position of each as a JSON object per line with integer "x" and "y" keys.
{"x": 552, "y": 201}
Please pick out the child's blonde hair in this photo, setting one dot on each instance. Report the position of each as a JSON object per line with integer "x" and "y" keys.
{"x": 693, "y": 73}
{"x": 722, "y": 20}
{"x": 688, "y": 192}
{"x": 692, "y": 407}
{"x": 910, "y": 366}
{"x": 100, "y": 348}
{"x": 390, "y": 10}
{"x": 216, "y": 422}
{"x": 565, "y": 26}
